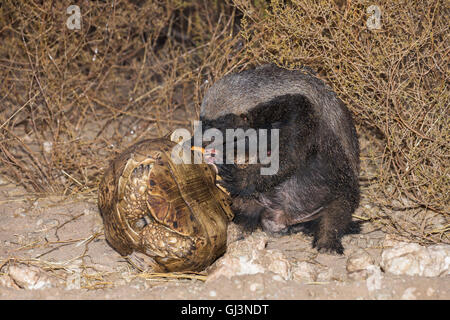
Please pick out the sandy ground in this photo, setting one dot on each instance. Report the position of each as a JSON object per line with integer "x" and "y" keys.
{"x": 62, "y": 240}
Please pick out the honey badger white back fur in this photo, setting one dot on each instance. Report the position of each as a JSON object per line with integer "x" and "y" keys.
{"x": 240, "y": 92}
{"x": 319, "y": 152}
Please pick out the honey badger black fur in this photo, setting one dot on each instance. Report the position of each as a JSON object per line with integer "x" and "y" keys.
{"x": 317, "y": 180}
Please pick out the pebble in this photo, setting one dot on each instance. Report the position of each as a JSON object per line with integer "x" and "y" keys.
{"x": 304, "y": 271}
{"x": 430, "y": 291}
{"x": 357, "y": 264}
{"x": 212, "y": 293}
{"x": 277, "y": 278}
{"x": 28, "y": 277}
{"x": 375, "y": 278}
{"x": 256, "y": 286}
{"x": 409, "y": 294}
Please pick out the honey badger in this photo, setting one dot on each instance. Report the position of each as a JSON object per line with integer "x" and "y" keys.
{"x": 317, "y": 179}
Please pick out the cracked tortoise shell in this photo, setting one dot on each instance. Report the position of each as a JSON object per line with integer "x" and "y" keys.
{"x": 162, "y": 215}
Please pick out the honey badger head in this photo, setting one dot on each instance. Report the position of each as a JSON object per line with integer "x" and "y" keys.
{"x": 317, "y": 179}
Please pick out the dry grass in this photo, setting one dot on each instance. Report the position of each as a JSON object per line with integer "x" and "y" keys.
{"x": 72, "y": 99}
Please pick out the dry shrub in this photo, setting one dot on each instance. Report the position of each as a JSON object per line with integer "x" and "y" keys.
{"x": 395, "y": 80}
{"x": 71, "y": 99}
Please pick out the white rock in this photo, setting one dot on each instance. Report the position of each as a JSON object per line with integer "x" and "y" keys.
{"x": 412, "y": 259}
{"x": 304, "y": 271}
{"x": 247, "y": 265}
{"x": 358, "y": 263}
{"x": 276, "y": 262}
{"x": 7, "y": 282}
{"x": 212, "y": 293}
{"x": 277, "y": 277}
{"x": 375, "y": 278}
{"x": 310, "y": 272}
{"x": 383, "y": 296}
{"x": 250, "y": 256}
{"x": 325, "y": 274}
{"x": 28, "y": 277}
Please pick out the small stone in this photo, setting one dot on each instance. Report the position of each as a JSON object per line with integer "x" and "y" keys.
{"x": 325, "y": 274}
{"x": 374, "y": 280}
{"x": 28, "y": 277}
{"x": 358, "y": 275}
{"x": 304, "y": 271}
{"x": 359, "y": 261}
{"x": 409, "y": 294}
{"x": 357, "y": 265}
{"x": 7, "y": 282}
{"x": 256, "y": 286}
{"x": 3, "y": 181}
{"x": 277, "y": 263}
{"x": 277, "y": 277}
{"x": 212, "y": 293}
{"x": 51, "y": 223}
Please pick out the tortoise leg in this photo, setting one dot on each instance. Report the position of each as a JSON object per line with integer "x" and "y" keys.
{"x": 160, "y": 241}
{"x": 136, "y": 191}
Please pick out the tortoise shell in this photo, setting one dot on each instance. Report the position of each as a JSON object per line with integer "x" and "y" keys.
{"x": 172, "y": 213}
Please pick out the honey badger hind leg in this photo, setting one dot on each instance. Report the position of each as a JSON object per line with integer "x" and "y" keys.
{"x": 335, "y": 221}
{"x": 336, "y": 217}
{"x": 319, "y": 199}
{"x": 331, "y": 226}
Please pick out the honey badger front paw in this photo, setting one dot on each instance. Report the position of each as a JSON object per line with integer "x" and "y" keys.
{"x": 234, "y": 181}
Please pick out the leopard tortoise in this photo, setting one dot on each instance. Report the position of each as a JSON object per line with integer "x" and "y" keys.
{"x": 170, "y": 217}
